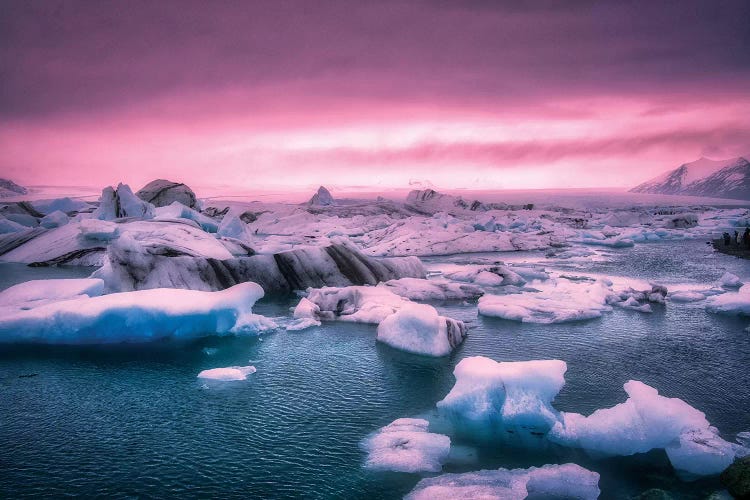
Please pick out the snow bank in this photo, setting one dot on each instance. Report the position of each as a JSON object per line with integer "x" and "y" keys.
{"x": 138, "y": 317}
{"x": 418, "y": 329}
{"x": 507, "y": 400}
{"x": 227, "y": 374}
{"x": 563, "y": 301}
{"x": 405, "y": 446}
{"x": 569, "y": 481}
{"x": 647, "y": 421}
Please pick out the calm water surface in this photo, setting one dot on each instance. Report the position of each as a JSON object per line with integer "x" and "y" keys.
{"x": 135, "y": 421}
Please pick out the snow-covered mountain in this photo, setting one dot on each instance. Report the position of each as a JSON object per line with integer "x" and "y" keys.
{"x": 10, "y": 188}
{"x": 704, "y": 177}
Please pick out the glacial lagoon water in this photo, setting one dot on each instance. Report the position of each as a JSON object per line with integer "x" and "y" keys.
{"x": 134, "y": 421}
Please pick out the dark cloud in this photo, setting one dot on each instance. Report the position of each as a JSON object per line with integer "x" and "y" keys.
{"x": 60, "y": 57}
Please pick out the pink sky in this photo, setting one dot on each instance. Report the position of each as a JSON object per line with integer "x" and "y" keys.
{"x": 280, "y": 94}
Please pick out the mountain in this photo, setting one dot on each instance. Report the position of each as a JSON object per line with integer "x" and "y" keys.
{"x": 10, "y": 188}
{"x": 704, "y": 177}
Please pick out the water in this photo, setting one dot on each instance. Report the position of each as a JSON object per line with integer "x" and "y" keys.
{"x": 135, "y": 421}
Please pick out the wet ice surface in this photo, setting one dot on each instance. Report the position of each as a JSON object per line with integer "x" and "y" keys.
{"x": 297, "y": 424}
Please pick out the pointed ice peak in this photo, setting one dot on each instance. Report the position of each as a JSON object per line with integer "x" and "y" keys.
{"x": 322, "y": 197}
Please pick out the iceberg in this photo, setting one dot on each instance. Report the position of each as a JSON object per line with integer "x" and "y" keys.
{"x": 737, "y": 303}
{"x": 564, "y": 301}
{"x": 322, "y": 198}
{"x": 405, "y": 445}
{"x": 35, "y": 293}
{"x": 231, "y": 373}
{"x": 568, "y": 481}
{"x": 177, "y": 210}
{"x": 66, "y": 205}
{"x": 645, "y": 421}
{"x": 54, "y": 219}
{"x": 507, "y": 401}
{"x": 140, "y": 316}
{"x": 121, "y": 202}
{"x": 433, "y": 289}
{"x": 162, "y": 193}
{"x": 356, "y": 304}
{"x": 729, "y": 280}
{"x": 418, "y": 329}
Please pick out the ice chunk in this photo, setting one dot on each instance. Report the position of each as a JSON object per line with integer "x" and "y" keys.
{"x": 232, "y": 227}
{"x": 8, "y": 226}
{"x": 731, "y": 302}
{"x": 686, "y": 296}
{"x": 405, "y": 446}
{"x": 138, "y": 317}
{"x": 488, "y": 276}
{"x": 433, "y": 289}
{"x": 568, "y": 481}
{"x": 645, "y": 421}
{"x": 121, "y": 202}
{"x": 162, "y": 193}
{"x": 417, "y": 328}
{"x": 230, "y": 373}
{"x": 563, "y": 301}
{"x": 65, "y": 205}
{"x": 98, "y": 230}
{"x": 729, "y": 280}
{"x": 54, "y": 219}
{"x": 177, "y": 210}
{"x": 507, "y": 400}
{"x": 302, "y": 324}
{"x": 358, "y": 304}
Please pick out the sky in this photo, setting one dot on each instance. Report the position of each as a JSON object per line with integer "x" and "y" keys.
{"x": 291, "y": 94}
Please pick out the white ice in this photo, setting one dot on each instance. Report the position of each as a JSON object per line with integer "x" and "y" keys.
{"x": 419, "y": 329}
{"x": 405, "y": 445}
{"x": 568, "y": 481}
{"x": 230, "y": 373}
{"x": 737, "y": 303}
{"x": 140, "y": 316}
{"x": 357, "y": 304}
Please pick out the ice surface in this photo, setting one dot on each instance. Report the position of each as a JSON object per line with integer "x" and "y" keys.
{"x": 729, "y": 280}
{"x": 230, "y": 373}
{"x": 686, "y": 296}
{"x": 506, "y": 400}
{"x": 418, "y": 329}
{"x": 35, "y": 293}
{"x": 405, "y": 445}
{"x": 177, "y": 210}
{"x": 647, "y": 421}
{"x": 731, "y": 302}
{"x": 433, "y": 289}
{"x": 54, "y": 219}
{"x": 358, "y": 304}
{"x": 560, "y": 302}
{"x": 138, "y": 317}
{"x": 121, "y": 202}
{"x": 65, "y": 205}
{"x": 568, "y": 481}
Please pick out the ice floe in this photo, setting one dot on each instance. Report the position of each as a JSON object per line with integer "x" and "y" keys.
{"x": 140, "y": 316}
{"x": 731, "y": 302}
{"x": 568, "y": 481}
{"x": 405, "y": 445}
{"x": 418, "y": 329}
{"x": 228, "y": 374}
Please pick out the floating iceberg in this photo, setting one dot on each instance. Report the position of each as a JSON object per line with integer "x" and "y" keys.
{"x": 54, "y": 219}
{"x": 562, "y": 302}
{"x": 729, "y": 280}
{"x": 647, "y": 421}
{"x": 138, "y": 317}
{"x": 507, "y": 401}
{"x": 433, "y": 289}
{"x": 418, "y": 329}
{"x": 357, "y": 304}
{"x": 230, "y": 373}
{"x": 568, "y": 481}
{"x": 731, "y": 302}
{"x": 65, "y": 205}
{"x": 405, "y": 446}
{"x": 162, "y": 193}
